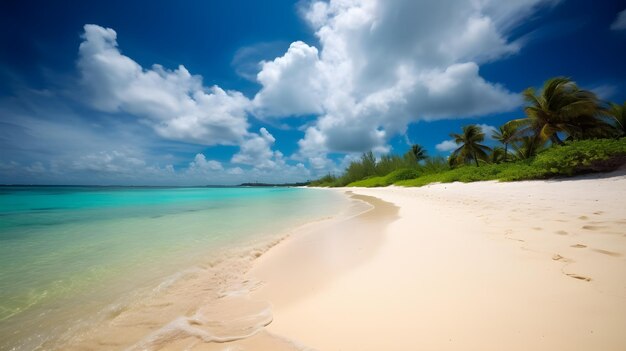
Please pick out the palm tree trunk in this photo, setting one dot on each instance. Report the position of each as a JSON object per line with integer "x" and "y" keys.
{"x": 476, "y": 159}
{"x": 506, "y": 149}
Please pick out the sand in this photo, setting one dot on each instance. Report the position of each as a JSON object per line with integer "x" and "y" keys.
{"x": 537, "y": 265}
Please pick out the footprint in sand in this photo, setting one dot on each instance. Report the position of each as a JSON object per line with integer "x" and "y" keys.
{"x": 594, "y": 227}
{"x": 597, "y": 213}
{"x": 579, "y": 277}
{"x": 561, "y": 232}
{"x": 557, "y": 257}
{"x": 583, "y": 218}
{"x": 610, "y": 253}
{"x": 578, "y": 246}
{"x": 537, "y": 228}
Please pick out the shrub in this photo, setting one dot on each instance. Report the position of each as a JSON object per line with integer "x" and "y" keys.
{"x": 402, "y": 174}
{"x": 583, "y": 156}
{"x": 325, "y": 181}
{"x": 391, "y": 178}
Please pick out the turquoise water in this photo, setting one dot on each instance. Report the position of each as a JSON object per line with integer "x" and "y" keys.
{"x": 63, "y": 247}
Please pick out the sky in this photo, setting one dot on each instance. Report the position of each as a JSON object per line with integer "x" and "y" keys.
{"x": 224, "y": 92}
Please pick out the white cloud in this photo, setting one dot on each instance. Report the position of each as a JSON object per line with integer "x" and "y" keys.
{"x": 380, "y": 65}
{"x": 620, "y": 21}
{"x": 108, "y": 162}
{"x": 292, "y": 84}
{"x": 446, "y": 146}
{"x": 200, "y": 163}
{"x": 235, "y": 171}
{"x": 257, "y": 151}
{"x": 174, "y": 103}
{"x": 384, "y": 64}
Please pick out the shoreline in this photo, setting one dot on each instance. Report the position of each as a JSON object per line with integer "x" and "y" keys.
{"x": 198, "y": 306}
{"x": 485, "y": 266}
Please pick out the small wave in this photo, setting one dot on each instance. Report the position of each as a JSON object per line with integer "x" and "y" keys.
{"x": 228, "y": 320}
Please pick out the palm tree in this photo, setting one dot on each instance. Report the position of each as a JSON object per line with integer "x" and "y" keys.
{"x": 470, "y": 147}
{"x": 528, "y": 146}
{"x": 419, "y": 153}
{"x": 505, "y": 134}
{"x": 618, "y": 114}
{"x": 497, "y": 155}
{"x": 561, "y": 106}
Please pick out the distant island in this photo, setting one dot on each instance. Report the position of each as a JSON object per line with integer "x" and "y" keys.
{"x": 274, "y": 185}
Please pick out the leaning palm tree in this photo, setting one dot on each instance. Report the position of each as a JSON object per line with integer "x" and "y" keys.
{"x": 419, "y": 153}
{"x": 505, "y": 134}
{"x": 561, "y": 106}
{"x": 618, "y": 114}
{"x": 470, "y": 148}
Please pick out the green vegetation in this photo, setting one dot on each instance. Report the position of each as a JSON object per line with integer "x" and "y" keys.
{"x": 573, "y": 157}
{"x": 391, "y": 178}
{"x": 470, "y": 148}
{"x": 566, "y": 131}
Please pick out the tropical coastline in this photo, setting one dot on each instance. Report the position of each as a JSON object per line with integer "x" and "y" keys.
{"x": 304, "y": 175}
{"x": 76, "y": 259}
{"x": 526, "y": 263}
{"x": 484, "y": 266}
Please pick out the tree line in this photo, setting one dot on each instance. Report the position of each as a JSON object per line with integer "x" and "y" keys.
{"x": 561, "y": 111}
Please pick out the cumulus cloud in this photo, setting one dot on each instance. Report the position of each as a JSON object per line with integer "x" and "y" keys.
{"x": 384, "y": 64}
{"x": 291, "y": 83}
{"x": 200, "y": 163}
{"x": 257, "y": 151}
{"x": 173, "y": 102}
{"x": 380, "y": 65}
{"x": 446, "y": 146}
{"x": 620, "y": 21}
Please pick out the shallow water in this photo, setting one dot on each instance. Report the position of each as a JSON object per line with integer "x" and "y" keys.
{"x": 69, "y": 253}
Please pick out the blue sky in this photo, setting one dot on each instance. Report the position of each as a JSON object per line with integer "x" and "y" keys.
{"x": 223, "y": 92}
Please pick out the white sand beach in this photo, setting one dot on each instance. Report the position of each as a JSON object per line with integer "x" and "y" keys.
{"x": 534, "y": 265}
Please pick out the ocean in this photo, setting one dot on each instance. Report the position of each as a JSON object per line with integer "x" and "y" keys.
{"x": 71, "y": 255}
